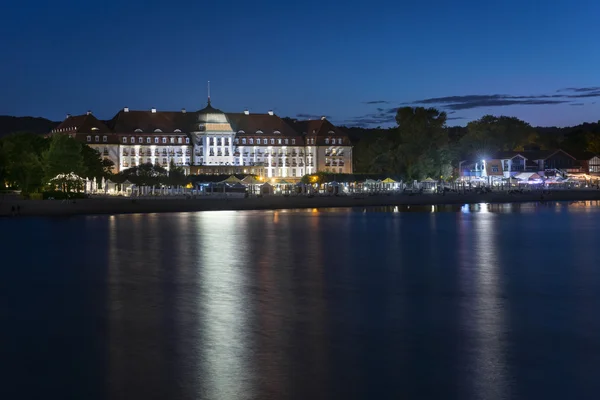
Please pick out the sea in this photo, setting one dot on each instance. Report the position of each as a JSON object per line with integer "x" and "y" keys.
{"x": 483, "y": 301}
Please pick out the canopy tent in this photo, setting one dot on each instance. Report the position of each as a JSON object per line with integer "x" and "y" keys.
{"x": 371, "y": 182}
{"x": 528, "y": 176}
{"x": 388, "y": 180}
{"x": 334, "y": 183}
{"x": 251, "y": 180}
{"x": 428, "y": 180}
{"x": 300, "y": 184}
{"x": 238, "y": 186}
{"x": 231, "y": 179}
{"x": 284, "y": 182}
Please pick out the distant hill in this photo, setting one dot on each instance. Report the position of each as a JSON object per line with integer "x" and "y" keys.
{"x": 10, "y": 125}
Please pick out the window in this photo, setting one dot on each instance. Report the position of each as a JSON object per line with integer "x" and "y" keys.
{"x": 278, "y": 141}
{"x": 104, "y": 139}
{"x": 187, "y": 140}
{"x": 157, "y": 131}
{"x": 494, "y": 168}
{"x": 293, "y": 141}
{"x": 237, "y": 141}
{"x": 326, "y": 140}
{"x": 179, "y": 140}
{"x": 97, "y": 139}
{"x": 124, "y": 140}
{"x": 148, "y": 140}
{"x": 218, "y": 141}
{"x": 177, "y": 130}
{"x": 286, "y": 141}
{"x": 340, "y": 141}
{"x": 138, "y": 130}
{"x": 156, "y": 140}
{"x": 341, "y": 169}
{"x": 173, "y": 140}
{"x": 89, "y": 138}
{"x": 141, "y": 140}
{"x": 251, "y": 141}
{"x": 132, "y": 139}
{"x": 293, "y": 171}
{"x": 272, "y": 141}
{"x": 226, "y": 141}
{"x": 243, "y": 141}
{"x": 264, "y": 141}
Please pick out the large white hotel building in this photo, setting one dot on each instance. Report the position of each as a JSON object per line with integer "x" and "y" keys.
{"x": 211, "y": 141}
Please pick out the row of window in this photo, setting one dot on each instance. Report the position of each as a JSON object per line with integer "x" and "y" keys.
{"x": 156, "y": 140}
{"x": 97, "y": 139}
{"x": 264, "y": 141}
{"x": 332, "y": 140}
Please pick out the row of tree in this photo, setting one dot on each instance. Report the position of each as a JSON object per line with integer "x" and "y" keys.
{"x": 29, "y": 161}
{"x": 421, "y": 144}
{"x": 32, "y": 163}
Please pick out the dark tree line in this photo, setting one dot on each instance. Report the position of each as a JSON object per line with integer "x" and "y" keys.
{"x": 421, "y": 145}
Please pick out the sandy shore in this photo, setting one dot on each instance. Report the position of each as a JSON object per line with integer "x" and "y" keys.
{"x": 128, "y": 205}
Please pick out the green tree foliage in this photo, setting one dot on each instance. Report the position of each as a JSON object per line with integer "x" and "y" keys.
{"x": 423, "y": 142}
{"x": 64, "y": 156}
{"x": 22, "y": 165}
{"x": 176, "y": 175}
{"x": 94, "y": 165}
{"x": 491, "y": 134}
{"x": 145, "y": 175}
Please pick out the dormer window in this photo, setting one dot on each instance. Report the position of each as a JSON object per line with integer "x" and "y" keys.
{"x": 97, "y": 139}
{"x": 340, "y": 141}
{"x": 95, "y": 129}
{"x": 265, "y": 141}
{"x": 157, "y": 131}
{"x": 326, "y": 140}
{"x": 124, "y": 140}
{"x": 138, "y": 131}
{"x": 148, "y": 140}
{"x": 187, "y": 140}
{"x": 89, "y": 138}
{"x": 237, "y": 141}
{"x": 331, "y": 132}
{"x": 251, "y": 141}
{"x": 244, "y": 141}
{"x": 156, "y": 140}
{"x": 276, "y": 132}
{"x": 141, "y": 140}
{"x": 132, "y": 139}
{"x": 179, "y": 140}
{"x": 177, "y": 131}
{"x": 172, "y": 140}
{"x": 104, "y": 139}
{"x": 259, "y": 131}
{"x": 278, "y": 141}
{"x": 272, "y": 141}
{"x": 242, "y": 132}
{"x": 286, "y": 141}
{"x": 293, "y": 141}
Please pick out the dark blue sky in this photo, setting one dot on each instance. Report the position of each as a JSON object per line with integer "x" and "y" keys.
{"x": 533, "y": 59}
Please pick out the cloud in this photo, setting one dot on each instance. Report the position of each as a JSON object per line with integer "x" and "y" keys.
{"x": 456, "y": 103}
{"x": 454, "y": 118}
{"x": 377, "y": 102}
{"x": 312, "y": 116}
{"x": 580, "y": 89}
{"x": 576, "y": 104}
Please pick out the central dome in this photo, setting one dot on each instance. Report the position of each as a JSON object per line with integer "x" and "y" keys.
{"x": 211, "y": 115}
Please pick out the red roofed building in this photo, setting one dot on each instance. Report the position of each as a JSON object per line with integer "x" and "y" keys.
{"x": 211, "y": 141}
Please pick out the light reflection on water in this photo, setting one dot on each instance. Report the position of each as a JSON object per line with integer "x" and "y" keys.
{"x": 462, "y": 302}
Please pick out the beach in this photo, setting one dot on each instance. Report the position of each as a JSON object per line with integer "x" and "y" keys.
{"x": 127, "y": 205}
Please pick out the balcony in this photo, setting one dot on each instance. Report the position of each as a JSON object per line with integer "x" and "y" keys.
{"x": 294, "y": 154}
{"x": 236, "y": 154}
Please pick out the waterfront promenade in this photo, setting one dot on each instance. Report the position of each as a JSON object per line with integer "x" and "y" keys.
{"x": 125, "y": 205}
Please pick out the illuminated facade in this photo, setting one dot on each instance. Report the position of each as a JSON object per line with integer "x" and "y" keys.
{"x": 209, "y": 140}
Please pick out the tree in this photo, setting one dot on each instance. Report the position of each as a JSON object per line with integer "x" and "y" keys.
{"x": 423, "y": 142}
{"x": 63, "y": 157}
{"x": 176, "y": 175}
{"x": 491, "y": 134}
{"x": 94, "y": 165}
{"x": 145, "y": 175}
{"x": 21, "y": 160}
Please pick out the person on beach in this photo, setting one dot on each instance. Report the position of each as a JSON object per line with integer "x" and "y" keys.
{"x": 12, "y": 211}
{"x": 18, "y": 209}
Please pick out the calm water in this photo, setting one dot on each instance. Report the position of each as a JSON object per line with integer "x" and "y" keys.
{"x": 480, "y": 302}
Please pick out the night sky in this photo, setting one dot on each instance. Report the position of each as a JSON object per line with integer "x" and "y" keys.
{"x": 354, "y": 62}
